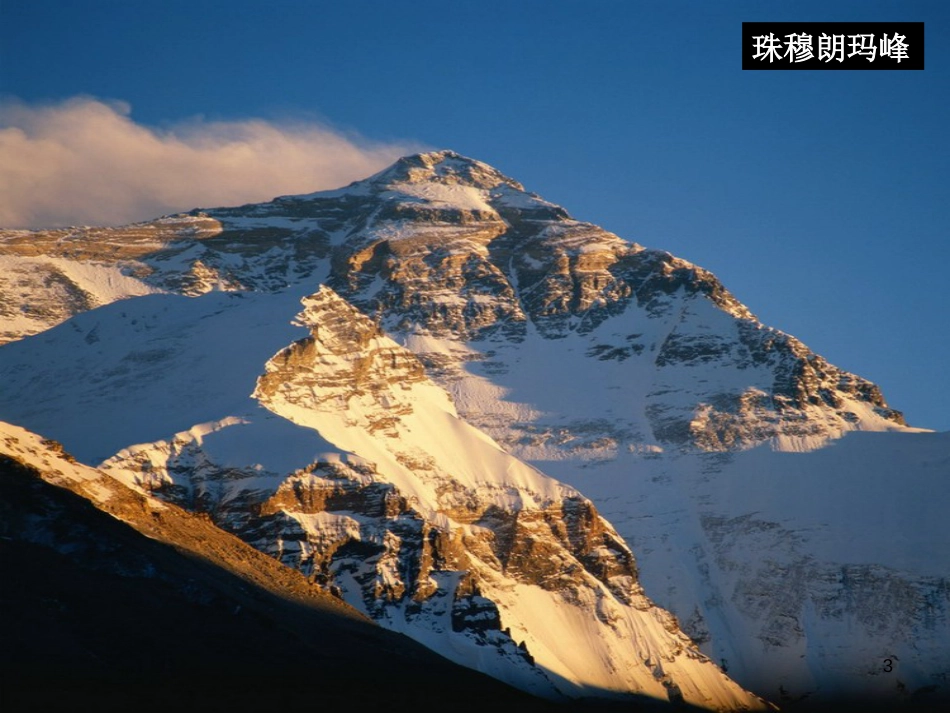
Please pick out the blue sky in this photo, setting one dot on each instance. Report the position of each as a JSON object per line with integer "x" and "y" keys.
{"x": 821, "y": 199}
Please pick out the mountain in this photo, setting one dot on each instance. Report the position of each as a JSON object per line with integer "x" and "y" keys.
{"x": 558, "y": 457}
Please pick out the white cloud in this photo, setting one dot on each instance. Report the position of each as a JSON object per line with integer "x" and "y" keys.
{"x": 87, "y": 162}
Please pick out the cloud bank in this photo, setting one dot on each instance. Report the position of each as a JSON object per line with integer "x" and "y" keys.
{"x": 87, "y": 162}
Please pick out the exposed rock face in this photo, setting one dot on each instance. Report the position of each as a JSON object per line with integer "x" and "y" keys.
{"x": 375, "y": 367}
{"x": 630, "y": 374}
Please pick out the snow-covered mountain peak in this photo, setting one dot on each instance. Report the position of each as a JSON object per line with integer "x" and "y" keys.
{"x": 446, "y": 167}
{"x": 444, "y": 246}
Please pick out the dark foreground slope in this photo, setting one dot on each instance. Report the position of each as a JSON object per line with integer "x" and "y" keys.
{"x": 95, "y": 613}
